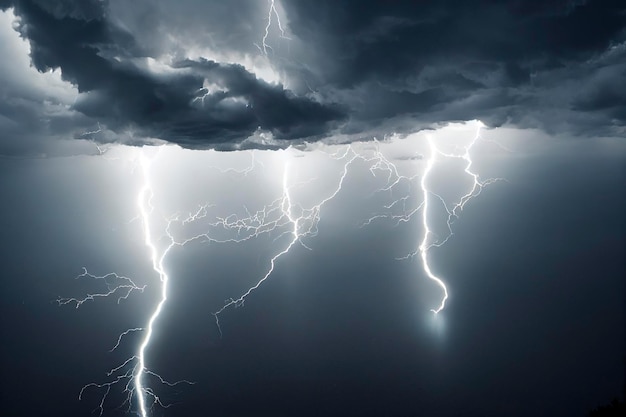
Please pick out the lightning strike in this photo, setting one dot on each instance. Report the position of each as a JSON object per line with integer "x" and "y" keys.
{"x": 271, "y": 12}
{"x": 145, "y": 208}
{"x": 303, "y": 225}
{"x": 424, "y": 245}
{"x": 133, "y": 371}
{"x": 430, "y": 200}
{"x": 282, "y": 218}
{"x": 286, "y": 207}
{"x": 475, "y": 189}
{"x": 115, "y": 285}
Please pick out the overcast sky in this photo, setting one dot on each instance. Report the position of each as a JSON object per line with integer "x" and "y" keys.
{"x": 534, "y": 325}
{"x": 199, "y": 73}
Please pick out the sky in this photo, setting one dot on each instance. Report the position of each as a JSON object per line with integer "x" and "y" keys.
{"x": 293, "y": 175}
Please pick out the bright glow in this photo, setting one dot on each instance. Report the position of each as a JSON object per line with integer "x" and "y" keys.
{"x": 424, "y": 246}
{"x": 133, "y": 370}
{"x": 271, "y": 12}
{"x": 475, "y": 188}
{"x": 145, "y": 209}
{"x": 286, "y": 207}
{"x": 401, "y": 172}
{"x": 303, "y": 224}
{"x": 115, "y": 284}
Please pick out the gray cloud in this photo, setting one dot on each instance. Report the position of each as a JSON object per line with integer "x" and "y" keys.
{"x": 465, "y": 60}
{"x": 192, "y": 72}
{"x": 96, "y": 57}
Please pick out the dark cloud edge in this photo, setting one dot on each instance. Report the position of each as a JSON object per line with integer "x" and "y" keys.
{"x": 135, "y": 107}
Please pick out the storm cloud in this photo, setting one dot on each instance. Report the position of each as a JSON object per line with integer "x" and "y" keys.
{"x": 197, "y": 73}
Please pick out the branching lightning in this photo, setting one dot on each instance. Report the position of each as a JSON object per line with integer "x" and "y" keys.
{"x": 133, "y": 371}
{"x": 271, "y": 14}
{"x": 428, "y": 241}
{"x": 303, "y": 221}
{"x": 289, "y": 222}
{"x": 116, "y": 285}
{"x": 430, "y": 199}
{"x": 145, "y": 208}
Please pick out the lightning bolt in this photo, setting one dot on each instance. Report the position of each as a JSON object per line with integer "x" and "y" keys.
{"x": 272, "y": 12}
{"x": 282, "y": 218}
{"x": 303, "y": 225}
{"x": 115, "y": 285}
{"x": 286, "y": 207}
{"x": 378, "y": 164}
{"x": 431, "y": 200}
{"x": 428, "y": 238}
{"x": 424, "y": 245}
{"x": 145, "y": 209}
{"x": 132, "y": 372}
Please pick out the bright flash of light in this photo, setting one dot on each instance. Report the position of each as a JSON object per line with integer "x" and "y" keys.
{"x": 116, "y": 285}
{"x": 271, "y": 14}
{"x": 304, "y": 222}
{"x": 289, "y": 222}
{"x": 286, "y": 208}
{"x": 145, "y": 208}
{"x": 476, "y": 186}
{"x": 133, "y": 371}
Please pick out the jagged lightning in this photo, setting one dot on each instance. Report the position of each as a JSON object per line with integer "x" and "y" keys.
{"x": 288, "y": 221}
{"x": 475, "y": 188}
{"x": 286, "y": 207}
{"x": 115, "y": 285}
{"x": 133, "y": 370}
{"x": 378, "y": 163}
{"x": 424, "y": 245}
{"x": 303, "y": 224}
{"x": 145, "y": 209}
{"x": 271, "y": 13}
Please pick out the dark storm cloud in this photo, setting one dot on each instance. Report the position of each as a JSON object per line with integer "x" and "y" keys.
{"x": 399, "y": 38}
{"x": 77, "y": 38}
{"x": 504, "y": 61}
{"x": 360, "y": 68}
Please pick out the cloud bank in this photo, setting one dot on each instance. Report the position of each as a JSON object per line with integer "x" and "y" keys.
{"x": 198, "y": 74}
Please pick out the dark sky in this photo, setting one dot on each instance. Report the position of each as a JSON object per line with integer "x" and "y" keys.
{"x": 138, "y": 69}
{"x": 534, "y": 325}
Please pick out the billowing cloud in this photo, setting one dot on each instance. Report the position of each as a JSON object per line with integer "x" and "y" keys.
{"x": 196, "y": 73}
{"x": 523, "y": 63}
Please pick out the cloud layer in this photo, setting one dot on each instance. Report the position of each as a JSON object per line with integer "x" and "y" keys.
{"x": 213, "y": 74}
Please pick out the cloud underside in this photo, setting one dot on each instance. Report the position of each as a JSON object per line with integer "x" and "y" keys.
{"x": 195, "y": 73}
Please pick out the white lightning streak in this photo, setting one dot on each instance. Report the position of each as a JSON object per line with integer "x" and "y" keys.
{"x": 286, "y": 208}
{"x": 271, "y": 12}
{"x": 474, "y": 190}
{"x": 145, "y": 209}
{"x": 423, "y": 248}
{"x": 302, "y": 225}
{"x": 429, "y": 239}
{"x": 305, "y": 224}
{"x": 115, "y": 284}
{"x": 133, "y": 370}
{"x": 284, "y": 216}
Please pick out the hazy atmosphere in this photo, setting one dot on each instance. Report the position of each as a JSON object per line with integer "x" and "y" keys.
{"x": 305, "y": 208}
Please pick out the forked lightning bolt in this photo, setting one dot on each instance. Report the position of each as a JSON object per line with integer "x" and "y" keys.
{"x": 133, "y": 371}
{"x": 145, "y": 208}
{"x": 116, "y": 285}
{"x": 286, "y": 207}
{"x": 303, "y": 220}
{"x": 271, "y": 14}
{"x": 431, "y": 200}
{"x": 284, "y": 217}
{"x": 453, "y": 213}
